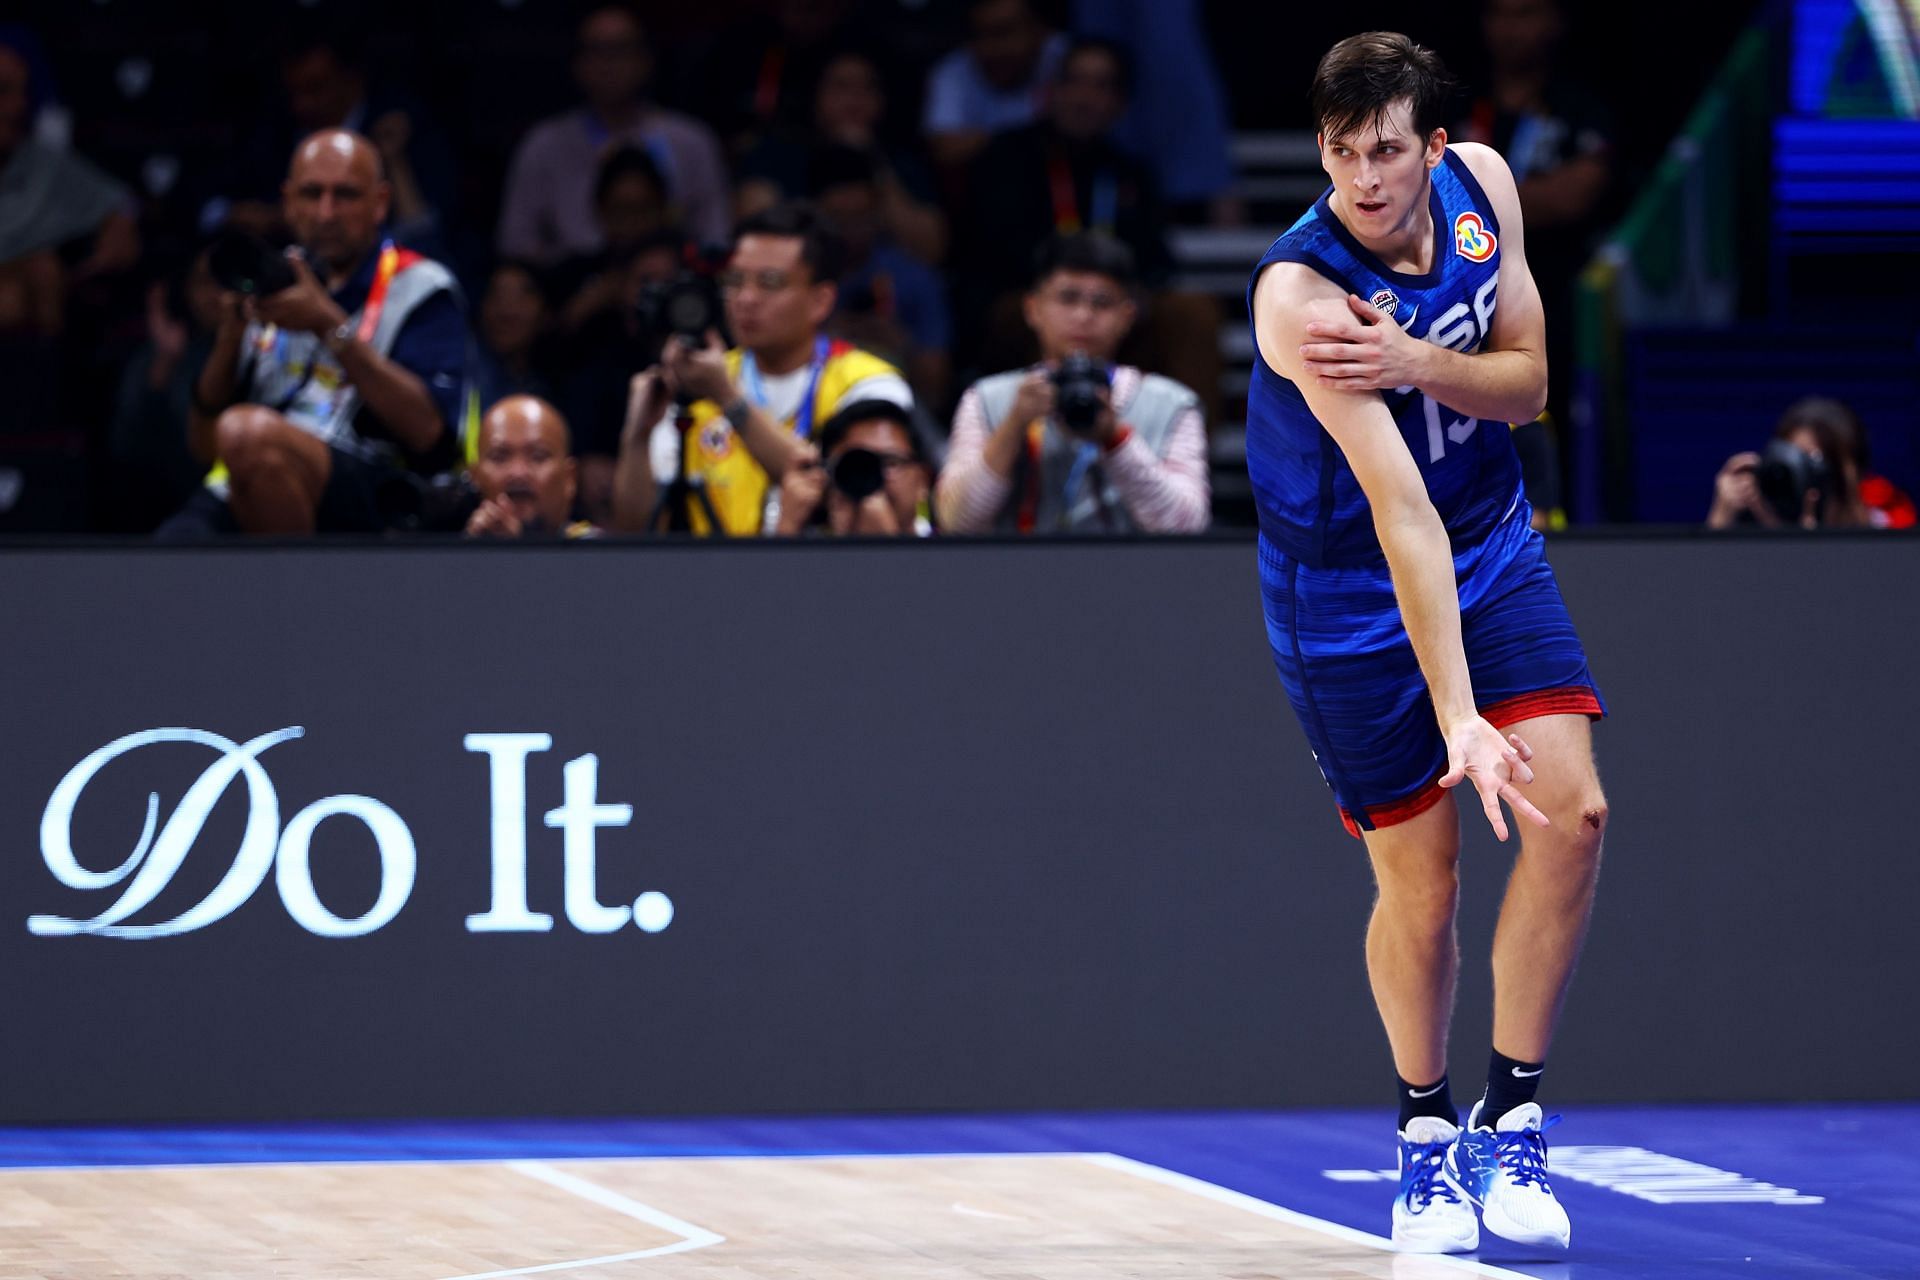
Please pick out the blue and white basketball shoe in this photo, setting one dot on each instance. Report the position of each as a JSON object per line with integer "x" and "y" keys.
{"x": 1429, "y": 1215}
{"x": 1503, "y": 1169}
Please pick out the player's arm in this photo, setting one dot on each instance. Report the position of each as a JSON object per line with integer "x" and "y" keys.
{"x": 1505, "y": 381}
{"x": 1287, "y": 301}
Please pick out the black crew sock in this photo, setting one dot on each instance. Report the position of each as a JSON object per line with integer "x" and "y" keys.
{"x": 1427, "y": 1100}
{"x": 1510, "y": 1083}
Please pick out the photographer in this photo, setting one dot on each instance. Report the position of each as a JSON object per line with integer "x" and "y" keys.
{"x": 333, "y": 373}
{"x": 1077, "y": 444}
{"x": 1809, "y": 476}
{"x": 523, "y": 474}
{"x": 872, "y": 478}
{"x": 750, "y": 413}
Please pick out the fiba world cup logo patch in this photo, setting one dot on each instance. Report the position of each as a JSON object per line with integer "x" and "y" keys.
{"x": 1385, "y": 302}
{"x": 716, "y": 439}
{"x": 1471, "y": 239}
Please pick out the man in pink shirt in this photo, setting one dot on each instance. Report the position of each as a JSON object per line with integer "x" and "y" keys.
{"x": 548, "y": 210}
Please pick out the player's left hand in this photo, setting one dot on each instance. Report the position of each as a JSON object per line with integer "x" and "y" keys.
{"x": 1360, "y": 350}
{"x": 1477, "y": 752}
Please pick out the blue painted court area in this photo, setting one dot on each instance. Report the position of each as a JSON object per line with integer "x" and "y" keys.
{"x": 1660, "y": 1193}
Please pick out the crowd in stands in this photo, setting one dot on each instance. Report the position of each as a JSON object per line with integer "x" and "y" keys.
{"x": 813, "y": 268}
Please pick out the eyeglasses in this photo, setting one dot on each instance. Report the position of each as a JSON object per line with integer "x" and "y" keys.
{"x": 771, "y": 280}
{"x": 1097, "y": 300}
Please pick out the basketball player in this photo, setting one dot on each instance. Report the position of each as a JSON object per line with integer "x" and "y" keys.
{"x": 1414, "y": 620}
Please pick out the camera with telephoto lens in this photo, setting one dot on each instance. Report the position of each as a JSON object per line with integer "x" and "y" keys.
{"x": 246, "y": 264}
{"x": 685, "y": 307}
{"x": 1078, "y": 383}
{"x": 1786, "y": 473}
{"x": 858, "y": 473}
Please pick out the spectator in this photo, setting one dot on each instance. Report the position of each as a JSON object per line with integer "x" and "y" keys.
{"x": 602, "y": 358}
{"x": 872, "y": 478}
{"x": 1063, "y": 174}
{"x": 891, "y": 303}
{"x": 150, "y": 470}
{"x": 325, "y": 85}
{"x": 1014, "y": 466}
{"x": 549, "y": 210}
{"x": 1178, "y": 118}
{"x": 51, "y": 200}
{"x": 316, "y": 401}
{"x": 524, "y": 473}
{"x": 1819, "y": 480}
{"x": 1557, "y": 138}
{"x": 756, "y": 78}
{"x": 752, "y": 411}
{"x": 996, "y": 81}
{"x": 849, "y": 107}
{"x": 514, "y": 318}
{"x": 631, "y": 208}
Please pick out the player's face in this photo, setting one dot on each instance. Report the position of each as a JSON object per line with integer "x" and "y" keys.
{"x": 1379, "y": 172}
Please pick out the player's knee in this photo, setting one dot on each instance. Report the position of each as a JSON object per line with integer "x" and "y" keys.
{"x": 1584, "y": 824}
{"x": 1423, "y": 902}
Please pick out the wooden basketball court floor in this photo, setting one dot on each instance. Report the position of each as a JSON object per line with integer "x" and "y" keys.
{"x": 1661, "y": 1193}
{"x": 1021, "y": 1217}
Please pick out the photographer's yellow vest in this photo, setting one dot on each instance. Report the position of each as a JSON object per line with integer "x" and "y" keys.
{"x": 712, "y": 450}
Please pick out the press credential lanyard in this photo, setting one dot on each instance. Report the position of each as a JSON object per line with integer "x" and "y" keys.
{"x": 756, "y": 388}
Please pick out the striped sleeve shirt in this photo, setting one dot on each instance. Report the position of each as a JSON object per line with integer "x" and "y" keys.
{"x": 1161, "y": 494}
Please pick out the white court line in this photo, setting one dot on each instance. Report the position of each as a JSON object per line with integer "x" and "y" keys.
{"x": 1252, "y": 1204}
{"x": 691, "y": 1234}
{"x": 691, "y": 1237}
{"x": 390, "y": 1161}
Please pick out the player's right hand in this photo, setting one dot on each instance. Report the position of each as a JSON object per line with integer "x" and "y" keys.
{"x": 1477, "y": 752}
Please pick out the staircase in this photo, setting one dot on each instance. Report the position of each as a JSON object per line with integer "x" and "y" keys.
{"x": 1280, "y": 176}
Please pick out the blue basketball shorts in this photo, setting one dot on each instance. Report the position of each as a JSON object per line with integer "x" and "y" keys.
{"x": 1351, "y": 675}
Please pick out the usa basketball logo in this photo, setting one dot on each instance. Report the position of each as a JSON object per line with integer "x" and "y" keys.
{"x": 1385, "y": 302}
{"x": 1471, "y": 239}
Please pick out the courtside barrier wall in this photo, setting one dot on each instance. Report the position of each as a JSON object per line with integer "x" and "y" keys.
{"x": 639, "y": 829}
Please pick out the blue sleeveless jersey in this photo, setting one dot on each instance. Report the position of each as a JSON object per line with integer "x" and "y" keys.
{"x": 1310, "y": 506}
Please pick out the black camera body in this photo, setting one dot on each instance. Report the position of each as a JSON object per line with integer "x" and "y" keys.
{"x": 858, "y": 473}
{"x": 685, "y": 307}
{"x": 247, "y": 265}
{"x": 1786, "y": 473}
{"x": 1079, "y": 381}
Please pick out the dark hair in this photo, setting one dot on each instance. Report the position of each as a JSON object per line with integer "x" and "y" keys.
{"x": 1122, "y": 59}
{"x": 1090, "y": 251}
{"x": 319, "y": 34}
{"x": 799, "y": 220}
{"x": 1361, "y": 78}
{"x": 1833, "y": 424}
{"x": 625, "y": 8}
{"x": 835, "y": 429}
{"x": 534, "y": 274}
{"x": 627, "y": 162}
{"x": 833, "y": 166}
